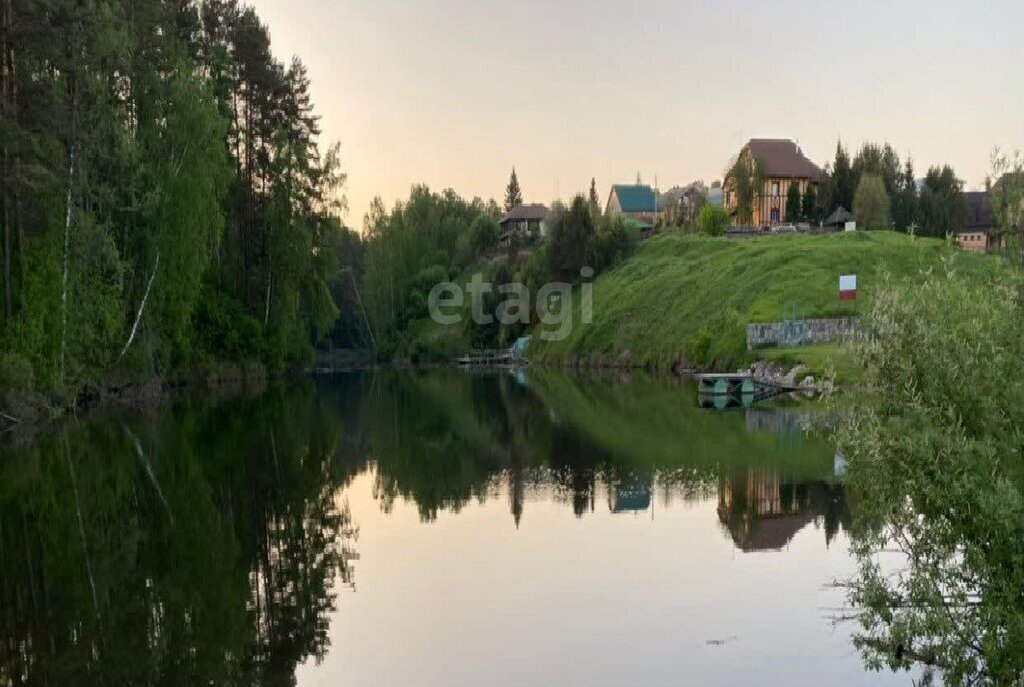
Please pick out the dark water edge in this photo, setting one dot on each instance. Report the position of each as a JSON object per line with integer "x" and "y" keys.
{"x": 215, "y": 538}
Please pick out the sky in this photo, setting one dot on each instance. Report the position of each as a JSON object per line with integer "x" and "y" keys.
{"x": 454, "y": 93}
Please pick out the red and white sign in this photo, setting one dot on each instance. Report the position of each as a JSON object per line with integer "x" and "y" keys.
{"x": 848, "y": 287}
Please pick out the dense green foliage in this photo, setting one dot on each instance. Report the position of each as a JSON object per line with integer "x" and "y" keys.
{"x": 841, "y": 182}
{"x": 809, "y": 210}
{"x": 688, "y": 299}
{"x": 870, "y": 203}
{"x": 432, "y": 239}
{"x": 747, "y": 176}
{"x": 165, "y": 201}
{"x": 793, "y": 207}
{"x": 939, "y": 208}
{"x": 712, "y": 220}
{"x": 904, "y": 201}
{"x": 420, "y": 243}
{"x": 617, "y": 238}
{"x": 937, "y": 469}
{"x": 571, "y": 235}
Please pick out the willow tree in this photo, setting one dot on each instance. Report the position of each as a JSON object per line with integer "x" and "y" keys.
{"x": 935, "y": 467}
{"x": 745, "y": 178}
{"x": 871, "y": 203}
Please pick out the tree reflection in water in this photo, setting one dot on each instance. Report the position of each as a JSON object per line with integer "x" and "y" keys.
{"x": 215, "y": 533}
{"x": 209, "y": 555}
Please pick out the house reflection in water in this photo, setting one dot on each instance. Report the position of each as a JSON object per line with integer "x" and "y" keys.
{"x": 763, "y": 511}
{"x": 630, "y": 495}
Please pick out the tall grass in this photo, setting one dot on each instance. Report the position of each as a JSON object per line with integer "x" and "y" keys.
{"x": 687, "y": 299}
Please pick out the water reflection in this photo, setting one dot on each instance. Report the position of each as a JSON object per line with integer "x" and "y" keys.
{"x": 763, "y": 511}
{"x": 208, "y": 541}
{"x": 210, "y": 549}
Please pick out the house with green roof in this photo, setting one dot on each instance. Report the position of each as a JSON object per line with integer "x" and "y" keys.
{"x": 636, "y": 201}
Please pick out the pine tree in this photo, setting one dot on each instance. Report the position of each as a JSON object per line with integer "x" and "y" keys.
{"x": 513, "y": 194}
{"x": 842, "y": 178}
{"x": 595, "y": 203}
{"x": 793, "y": 203}
{"x": 904, "y": 206}
{"x": 810, "y": 204}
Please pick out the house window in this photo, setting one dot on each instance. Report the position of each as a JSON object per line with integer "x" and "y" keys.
{"x": 775, "y": 188}
{"x": 775, "y": 215}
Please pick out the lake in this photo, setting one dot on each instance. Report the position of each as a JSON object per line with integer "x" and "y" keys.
{"x": 434, "y": 527}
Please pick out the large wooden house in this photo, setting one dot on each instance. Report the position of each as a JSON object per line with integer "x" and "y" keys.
{"x": 779, "y": 163}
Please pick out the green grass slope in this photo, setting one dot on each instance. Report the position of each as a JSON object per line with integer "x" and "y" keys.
{"x": 689, "y": 298}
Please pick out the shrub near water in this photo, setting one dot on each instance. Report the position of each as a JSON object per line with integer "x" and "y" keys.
{"x": 936, "y": 465}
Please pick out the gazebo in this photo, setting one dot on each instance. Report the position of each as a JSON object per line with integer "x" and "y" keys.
{"x": 839, "y": 218}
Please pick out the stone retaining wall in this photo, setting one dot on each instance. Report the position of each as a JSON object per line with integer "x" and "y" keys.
{"x": 810, "y": 331}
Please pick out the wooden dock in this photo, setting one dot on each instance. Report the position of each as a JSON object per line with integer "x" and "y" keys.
{"x": 739, "y": 389}
{"x": 725, "y": 384}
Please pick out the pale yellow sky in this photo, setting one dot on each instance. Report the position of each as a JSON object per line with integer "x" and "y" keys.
{"x": 453, "y": 93}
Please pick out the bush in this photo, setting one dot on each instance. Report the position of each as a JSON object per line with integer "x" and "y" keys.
{"x": 571, "y": 239}
{"x": 484, "y": 234}
{"x": 616, "y": 239}
{"x": 712, "y": 220}
{"x": 225, "y": 330}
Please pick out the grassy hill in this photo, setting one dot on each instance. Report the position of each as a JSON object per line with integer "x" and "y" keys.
{"x": 688, "y": 298}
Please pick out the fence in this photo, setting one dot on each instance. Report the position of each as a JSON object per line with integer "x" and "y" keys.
{"x": 811, "y": 331}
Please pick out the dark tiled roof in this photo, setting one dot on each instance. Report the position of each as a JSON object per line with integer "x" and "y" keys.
{"x": 531, "y": 211}
{"x": 783, "y": 158}
{"x": 839, "y": 217}
{"x": 635, "y": 197}
{"x": 979, "y": 211}
{"x": 774, "y": 533}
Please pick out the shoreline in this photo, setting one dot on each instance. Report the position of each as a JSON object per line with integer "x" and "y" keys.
{"x": 29, "y": 412}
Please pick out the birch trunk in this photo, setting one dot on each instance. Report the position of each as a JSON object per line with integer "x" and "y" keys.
{"x": 142, "y": 308}
{"x": 64, "y": 278}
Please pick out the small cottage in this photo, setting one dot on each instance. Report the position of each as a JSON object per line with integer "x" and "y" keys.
{"x": 978, "y": 234}
{"x": 636, "y": 201}
{"x": 524, "y": 221}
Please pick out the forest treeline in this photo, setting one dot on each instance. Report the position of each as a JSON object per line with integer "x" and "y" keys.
{"x": 165, "y": 201}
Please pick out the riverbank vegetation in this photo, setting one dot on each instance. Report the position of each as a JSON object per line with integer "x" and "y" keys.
{"x": 166, "y": 203}
{"x": 936, "y": 466}
{"x": 434, "y": 238}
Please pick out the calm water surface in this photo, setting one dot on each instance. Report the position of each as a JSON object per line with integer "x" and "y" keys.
{"x": 428, "y": 528}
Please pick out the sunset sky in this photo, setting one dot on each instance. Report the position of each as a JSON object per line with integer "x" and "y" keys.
{"x": 453, "y": 93}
